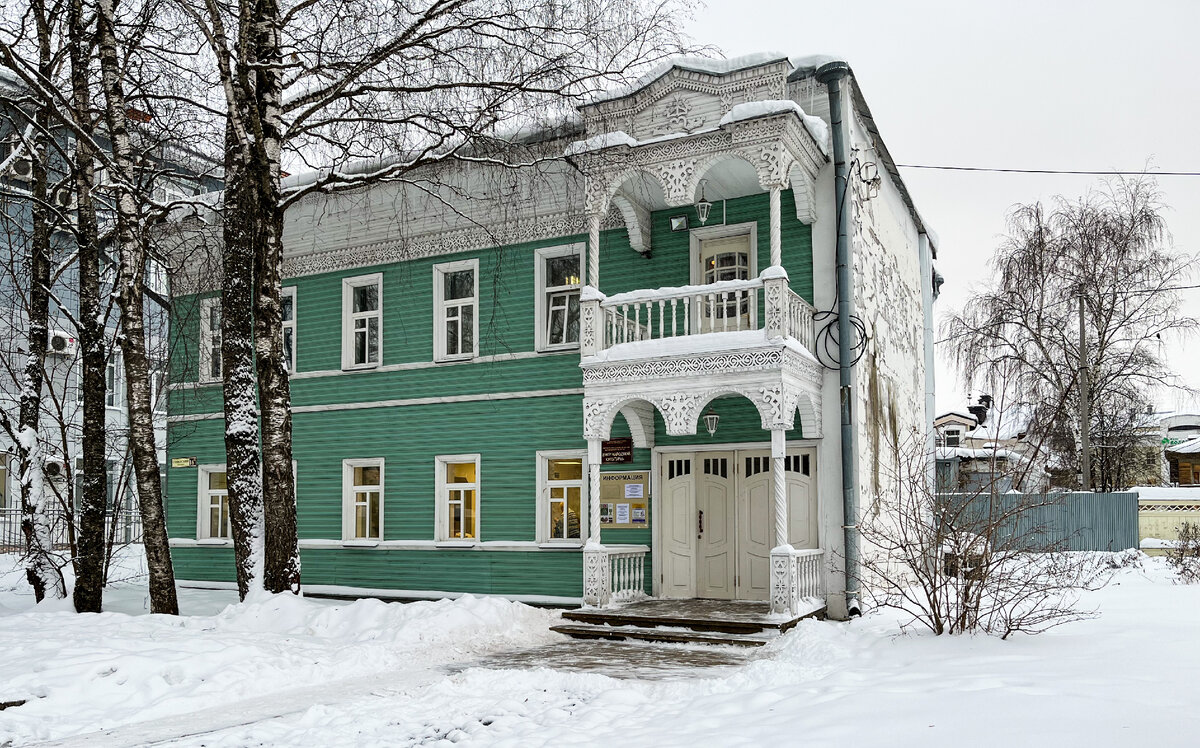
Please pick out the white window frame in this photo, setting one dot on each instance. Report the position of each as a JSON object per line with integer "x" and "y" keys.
{"x": 441, "y": 523}
{"x": 5, "y": 464}
{"x": 541, "y": 306}
{"x": 954, "y": 432}
{"x": 349, "y": 317}
{"x": 440, "y": 308}
{"x": 204, "y": 504}
{"x": 206, "y": 339}
{"x": 159, "y": 392}
{"x": 349, "y": 503}
{"x": 290, "y": 351}
{"x": 113, "y": 392}
{"x": 543, "y": 496}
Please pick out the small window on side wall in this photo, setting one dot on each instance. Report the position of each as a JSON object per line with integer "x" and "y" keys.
{"x": 214, "y": 522}
{"x": 210, "y": 340}
{"x": 362, "y": 321}
{"x": 288, "y": 302}
{"x": 362, "y": 499}
{"x": 456, "y": 310}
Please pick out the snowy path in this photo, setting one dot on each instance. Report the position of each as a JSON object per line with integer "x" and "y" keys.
{"x": 250, "y": 712}
{"x": 289, "y": 672}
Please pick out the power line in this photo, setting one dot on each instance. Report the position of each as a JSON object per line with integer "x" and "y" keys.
{"x": 1083, "y": 172}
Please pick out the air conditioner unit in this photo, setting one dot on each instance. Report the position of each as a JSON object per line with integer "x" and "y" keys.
{"x": 65, "y": 198}
{"x": 21, "y": 168}
{"x": 62, "y": 343}
{"x": 53, "y": 469}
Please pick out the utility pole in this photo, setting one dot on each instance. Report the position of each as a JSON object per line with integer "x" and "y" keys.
{"x": 1084, "y": 395}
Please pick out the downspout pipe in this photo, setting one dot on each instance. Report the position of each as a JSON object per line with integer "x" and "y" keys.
{"x": 832, "y": 74}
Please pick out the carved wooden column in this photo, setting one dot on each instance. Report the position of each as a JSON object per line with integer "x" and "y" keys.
{"x": 593, "y": 247}
{"x": 778, "y": 452}
{"x": 776, "y": 240}
{"x": 783, "y": 583}
{"x": 596, "y": 577}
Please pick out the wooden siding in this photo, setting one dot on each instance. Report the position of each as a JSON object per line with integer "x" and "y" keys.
{"x": 507, "y": 433}
{"x": 552, "y": 573}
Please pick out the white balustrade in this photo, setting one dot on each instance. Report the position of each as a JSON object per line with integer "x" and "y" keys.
{"x": 614, "y": 574}
{"x": 797, "y": 581}
{"x": 725, "y": 306}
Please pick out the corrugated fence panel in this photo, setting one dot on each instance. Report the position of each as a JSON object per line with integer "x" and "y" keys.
{"x": 1070, "y": 521}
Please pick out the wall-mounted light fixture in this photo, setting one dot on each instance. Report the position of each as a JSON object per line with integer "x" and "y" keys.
{"x": 710, "y": 422}
{"x": 703, "y": 206}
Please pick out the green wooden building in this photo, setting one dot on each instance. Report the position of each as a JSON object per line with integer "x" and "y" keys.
{"x": 610, "y": 374}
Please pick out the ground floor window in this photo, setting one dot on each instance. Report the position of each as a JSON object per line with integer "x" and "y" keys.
{"x": 214, "y": 503}
{"x": 562, "y": 510}
{"x": 362, "y": 510}
{"x": 458, "y": 497}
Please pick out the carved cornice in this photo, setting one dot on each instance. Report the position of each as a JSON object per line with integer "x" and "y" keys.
{"x": 442, "y": 243}
{"x": 683, "y": 366}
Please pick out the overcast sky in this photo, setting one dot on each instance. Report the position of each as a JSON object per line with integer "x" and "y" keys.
{"x": 1052, "y": 84}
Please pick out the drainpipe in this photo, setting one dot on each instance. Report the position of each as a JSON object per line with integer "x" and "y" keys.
{"x": 928, "y": 294}
{"x": 831, "y": 74}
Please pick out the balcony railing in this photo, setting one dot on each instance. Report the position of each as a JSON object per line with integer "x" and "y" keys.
{"x": 685, "y": 311}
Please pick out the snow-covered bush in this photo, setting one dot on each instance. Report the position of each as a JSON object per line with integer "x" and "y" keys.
{"x": 1184, "y": 554}
{"x": 975, "y": 562}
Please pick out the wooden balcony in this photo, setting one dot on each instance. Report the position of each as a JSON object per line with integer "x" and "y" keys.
{"x": 678, "y": 348}
{"x": 694, "y": 313}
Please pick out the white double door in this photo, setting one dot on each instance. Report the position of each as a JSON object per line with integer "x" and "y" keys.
{"x": 719, "y": 520}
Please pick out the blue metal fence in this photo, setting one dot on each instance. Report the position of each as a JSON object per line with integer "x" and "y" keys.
{"x": 1070, "y": 521}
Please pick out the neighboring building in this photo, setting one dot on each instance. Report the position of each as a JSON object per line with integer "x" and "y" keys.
{"x": 980, "y": 448}
{"x": 1179, "y": 437}
{"x": 617, "y": 346}
{"x": 181, "y": 173}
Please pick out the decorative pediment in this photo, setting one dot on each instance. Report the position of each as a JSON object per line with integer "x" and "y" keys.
{"x": 690, "y": 96}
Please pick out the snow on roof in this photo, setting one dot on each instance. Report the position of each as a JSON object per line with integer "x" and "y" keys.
{"x": 806, "y": 63}
{"x": 754, "y": 109}
{"x": 600, "y": 142}
{"x": 968, "y": 453}
{"x": 1189, "y": 447}
{"x": 1166, "y": 492}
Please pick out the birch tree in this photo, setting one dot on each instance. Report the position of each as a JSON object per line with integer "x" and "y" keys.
{"x": 34, "y": 142}
{"x": 1110, "y": 249}
{"x": 363, "y": 91}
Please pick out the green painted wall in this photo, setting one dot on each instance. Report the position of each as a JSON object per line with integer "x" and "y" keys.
{"x": 507, "y": 433}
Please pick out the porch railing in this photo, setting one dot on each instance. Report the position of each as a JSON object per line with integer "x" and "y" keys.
{"x": 797, "y": 581}
{"x": 615, "y": 573}
{"x": 725, "y": 306}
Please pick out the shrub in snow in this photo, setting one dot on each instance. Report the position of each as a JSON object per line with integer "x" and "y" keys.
{"x": 1184, "y": 554}
{"x": 969, "y": 562}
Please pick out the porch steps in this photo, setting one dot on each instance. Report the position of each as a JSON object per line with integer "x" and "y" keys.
{"x": 744, "y": 624}
{"x": 660, "y": 634}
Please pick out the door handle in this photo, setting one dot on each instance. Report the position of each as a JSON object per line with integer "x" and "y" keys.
{"x": 700, "y": 523}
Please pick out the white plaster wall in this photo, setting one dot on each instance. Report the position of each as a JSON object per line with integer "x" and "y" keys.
{"x": 888, "y": 300}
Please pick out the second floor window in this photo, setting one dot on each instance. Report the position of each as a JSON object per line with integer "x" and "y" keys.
{"x": 210, "y": 340}
{"x": 456, "y": 302}
{"x": 558, "y": 284}
{"x": 288, "y": 300}
{"x": 362, "y": 322}
{"x": 112, "y": 383}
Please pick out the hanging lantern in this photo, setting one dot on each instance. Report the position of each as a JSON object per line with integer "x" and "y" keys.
{"x": 710, "y": 422}
{"x": 702, "y": 208}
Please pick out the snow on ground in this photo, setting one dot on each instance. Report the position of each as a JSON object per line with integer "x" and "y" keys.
{"x": 1130, "y": 676}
